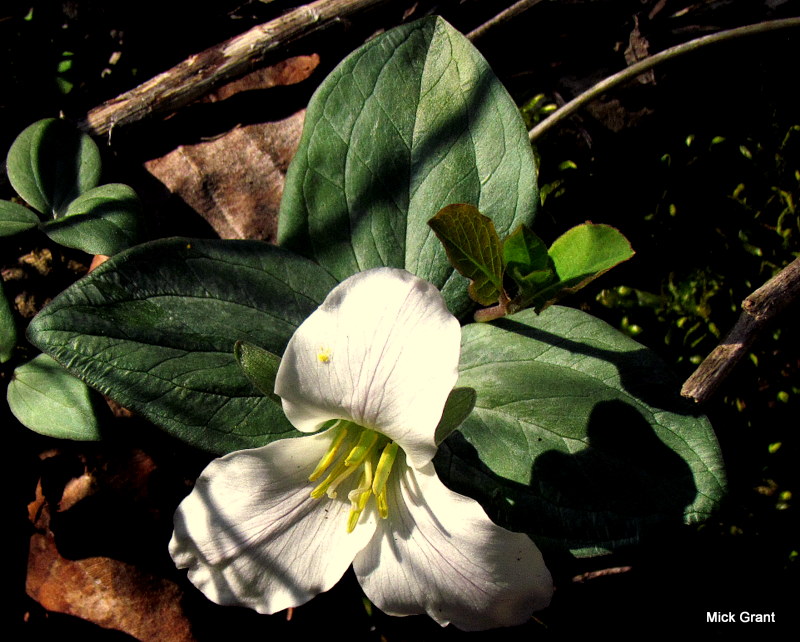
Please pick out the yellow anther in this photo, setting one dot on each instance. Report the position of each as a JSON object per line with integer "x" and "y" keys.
{"x": 383, "y": 505}
{"x": 352, "y": 520}
{"x": 360, "y": 496}
{"x": 375, "y": 474}
{"x": 324, "y": 355}
{"x": 384, "y": 468}
{"x": 365, "y": 444}
{"x": 339, "y": 471}
{"x": 329, "y": 456}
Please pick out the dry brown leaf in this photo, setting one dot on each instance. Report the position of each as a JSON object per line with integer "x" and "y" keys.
{"x": 638, "y": 49}
{"x": 287, "y": 72}
{"x": 236, "y": 181}
{"x": 107, "y": 592}
{"x": 75, "y": 490}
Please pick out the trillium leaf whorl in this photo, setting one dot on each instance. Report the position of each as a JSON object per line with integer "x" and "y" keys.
{"x": 271, "y": 527}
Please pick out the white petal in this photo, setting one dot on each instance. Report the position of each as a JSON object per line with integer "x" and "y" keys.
{"x": 438, "y": 553}
{"x": 251, "y": 535}
{"x": 381, "y": 351}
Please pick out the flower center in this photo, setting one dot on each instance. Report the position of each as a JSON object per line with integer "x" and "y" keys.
{"x": 355, "y": 448}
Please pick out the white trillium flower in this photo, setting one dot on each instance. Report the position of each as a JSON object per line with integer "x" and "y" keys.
{"x": 269, "y": 528}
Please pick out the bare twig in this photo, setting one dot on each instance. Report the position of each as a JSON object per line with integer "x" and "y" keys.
{"x": 206, "y": 71}
{"x": 648, "y": 63}
{"x": 758, "y": 310}
{"x": 502, "y": 17}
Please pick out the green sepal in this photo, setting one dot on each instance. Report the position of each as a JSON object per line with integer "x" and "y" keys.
{"x": 459, "y": 404}
{"x": 260, "y": 366}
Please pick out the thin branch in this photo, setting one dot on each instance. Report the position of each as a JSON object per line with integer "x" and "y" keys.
{"x": 648, "y": 63}
{"x": 758, "y": 310}
{"x": 203, "y": 72}
{"x": 501, "y": 18}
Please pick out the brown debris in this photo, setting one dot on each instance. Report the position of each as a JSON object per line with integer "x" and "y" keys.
{"x": 236, "y": 180}
{"x": 108, "y": 592}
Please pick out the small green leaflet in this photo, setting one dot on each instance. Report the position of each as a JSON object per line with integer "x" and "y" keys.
{"x": 582, "y": 254}
{"x": 103, "y": 220}
{"x": 527, "y": 260}
{"x": 473, "y": 248}
{"x": 49, "y": 400}
{"x": 51, "y": 163}
{"x": 539, "y": 276}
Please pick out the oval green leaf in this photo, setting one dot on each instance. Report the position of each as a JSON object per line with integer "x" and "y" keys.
{"x": 15, "y": 218}
{"x": 411, "y": 122}
{"x": 103, "y": 220}
{"x": 579, "y": 436}
{"x": 49, "y": 400}
{"x": 587, "y": 251}
{"x": 155, "y": 327}
{"x": 51, "y": 163}
{"x": 8, "y": 327}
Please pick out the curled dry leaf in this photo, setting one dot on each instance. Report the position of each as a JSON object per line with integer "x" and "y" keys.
{"x": 108, "y": 592}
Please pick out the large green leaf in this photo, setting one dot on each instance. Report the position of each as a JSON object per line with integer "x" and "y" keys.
{"x": 411, "y": 122}
{"x": 49, "y": 400}
{"x": 155, "y": 329}
{"x": 51, "y": 163}
{"x": 578, "y": 435}
{"x": 103, "y": 220}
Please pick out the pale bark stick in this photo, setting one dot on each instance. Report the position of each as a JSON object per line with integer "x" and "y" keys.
{"x": 203, "y": 72}
{"x": 758, "y": 310}
{"x": 648, "y": 63}
{"x": 501, "y": 18}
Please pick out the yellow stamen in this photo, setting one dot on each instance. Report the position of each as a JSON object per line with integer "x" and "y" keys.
{"x": 334, "y": 476}
{"x": 383, "y": 505}
{"x": 329, "y": 456}
{"x": 384, "y": 467}
{"x": 363, "y": 446}
{"x": 360, "y": 496}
